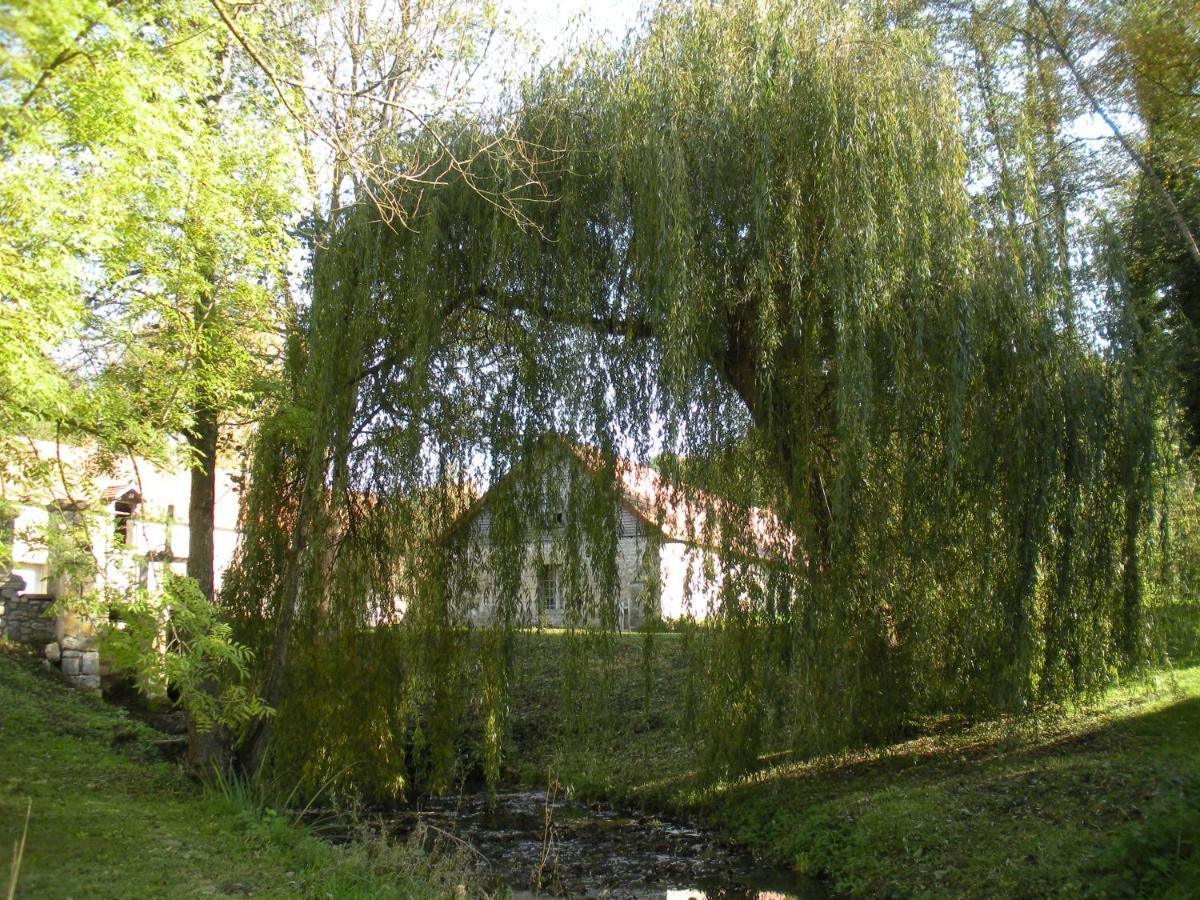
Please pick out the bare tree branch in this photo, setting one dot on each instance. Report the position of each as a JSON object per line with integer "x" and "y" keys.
{"x": 1056, "y": 43}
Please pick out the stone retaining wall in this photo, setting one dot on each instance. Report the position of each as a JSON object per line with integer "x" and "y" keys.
{"x": 23, "y": 619}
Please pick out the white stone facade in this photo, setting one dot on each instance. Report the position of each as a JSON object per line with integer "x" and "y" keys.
{"x": 142, "y": 545}
{"x": 664, "y": 569}
{"x": 547, "y": 559}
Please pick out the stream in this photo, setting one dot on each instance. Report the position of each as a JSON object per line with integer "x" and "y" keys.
{"x": 537, "y": 846}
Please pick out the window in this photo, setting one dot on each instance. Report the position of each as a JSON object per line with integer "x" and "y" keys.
{"x": 551, "y": 514}
{"x": 122, "y": 519}
{"x": 33, "y": 575}
{"x": 549, "y": 587}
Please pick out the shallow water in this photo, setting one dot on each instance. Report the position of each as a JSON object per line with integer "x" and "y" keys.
{"x": 540, "y": 846}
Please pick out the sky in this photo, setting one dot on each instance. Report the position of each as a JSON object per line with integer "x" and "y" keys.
{"x": 560, "y": 24}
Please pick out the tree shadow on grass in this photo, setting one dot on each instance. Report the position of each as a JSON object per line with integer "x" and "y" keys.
{"x": 1158, "y": 734}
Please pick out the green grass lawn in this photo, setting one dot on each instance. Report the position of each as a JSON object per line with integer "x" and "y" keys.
{"x": 111, "y": 819}
{"x": 1103, "y": 800}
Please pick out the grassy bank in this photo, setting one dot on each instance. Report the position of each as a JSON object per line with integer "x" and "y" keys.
{"x": 610, "y": 728}
{"x": 110, "y": 818}
{"x": 1102, "y": 800}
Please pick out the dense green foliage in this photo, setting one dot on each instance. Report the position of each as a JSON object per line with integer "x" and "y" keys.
{"x": 1161, "y": 61}
{"x": 176, "y": 640}
{"x": 144, "y": 202}
{"x": 784, "y": 228}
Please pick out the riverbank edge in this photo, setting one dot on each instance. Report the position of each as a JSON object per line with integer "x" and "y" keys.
{"x": 1100, "y": 800}
{"x": 109, "y": 817}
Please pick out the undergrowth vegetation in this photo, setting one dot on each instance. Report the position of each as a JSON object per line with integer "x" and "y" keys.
{"x": 111, "y": 818}
{"x": 1100, "y": 803}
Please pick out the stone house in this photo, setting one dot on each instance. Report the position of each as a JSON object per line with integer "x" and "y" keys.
{"x": 571, "y": 537}
{"x": 131, "y": 529}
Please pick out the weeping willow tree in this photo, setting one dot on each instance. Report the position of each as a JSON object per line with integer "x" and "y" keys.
{"x": 750, "y": 228}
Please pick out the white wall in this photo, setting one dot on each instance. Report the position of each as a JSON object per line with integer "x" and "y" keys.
{"x": 691, "y": 581}
{"x": 29, "y": 557}
{"x": 684, "y": 580}
{"x": 636, "y": 566}
{"x": 160, "y": 522}
{"x": 632, "y": 566}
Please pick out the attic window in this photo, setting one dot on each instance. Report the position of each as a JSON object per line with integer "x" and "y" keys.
{"x": 549, "y": 587}
{"x": 551, "y": 517}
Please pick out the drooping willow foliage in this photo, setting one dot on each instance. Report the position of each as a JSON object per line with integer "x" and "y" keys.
{"x": 751, "y": 242}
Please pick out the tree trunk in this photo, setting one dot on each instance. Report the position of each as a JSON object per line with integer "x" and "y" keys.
{"x": 202, "y": 439}
{"x": 209, "y": 750}
{"x": 258, "y": 742}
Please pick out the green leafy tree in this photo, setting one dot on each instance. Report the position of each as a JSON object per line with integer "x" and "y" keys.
{"x": 178, "y": 640}
{"x": 1156, "y": 55}
{"x": 144, "y": 215}
{"x": 1114, "y": 84}
{"x": 378, "y": 97}
{"x": 143, "y": 218}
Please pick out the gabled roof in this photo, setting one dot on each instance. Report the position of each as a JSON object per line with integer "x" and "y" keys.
{"x": 678, "y": 511}
{"x": 686, "y": 513}
{"x": 126, "y": 492}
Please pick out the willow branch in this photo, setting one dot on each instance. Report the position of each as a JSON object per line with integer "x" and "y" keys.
{"x": 611, "y": 325}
